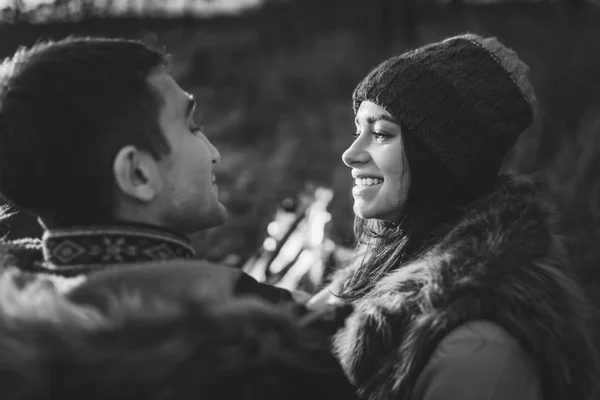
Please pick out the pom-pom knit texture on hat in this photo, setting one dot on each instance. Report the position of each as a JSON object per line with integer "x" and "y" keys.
{"x": 467, "y": 98}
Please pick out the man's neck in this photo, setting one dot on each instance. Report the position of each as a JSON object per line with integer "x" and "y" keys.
{"x": 110, "y": 222}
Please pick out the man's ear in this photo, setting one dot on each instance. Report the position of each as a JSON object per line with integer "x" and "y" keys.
{"x": 136, "y": 175}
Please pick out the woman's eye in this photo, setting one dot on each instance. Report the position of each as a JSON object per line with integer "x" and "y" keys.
{"x": 380, "y": 137}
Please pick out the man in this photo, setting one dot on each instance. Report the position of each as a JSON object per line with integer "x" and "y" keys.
{"x": 99, "y": 142}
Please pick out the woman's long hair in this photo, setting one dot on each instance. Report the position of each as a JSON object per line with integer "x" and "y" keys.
{"x": 435, "y": 199}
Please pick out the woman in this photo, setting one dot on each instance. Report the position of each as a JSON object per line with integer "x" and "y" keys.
{"x": 460, "y": 291}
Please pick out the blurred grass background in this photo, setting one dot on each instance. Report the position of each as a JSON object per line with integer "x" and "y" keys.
{"x": 274, "y": 86}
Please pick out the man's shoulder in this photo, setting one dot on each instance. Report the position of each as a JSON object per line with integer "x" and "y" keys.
{"x": 178, "y": 278}
{"x": 20, "y": 258}
{"x": 22, "y": 253}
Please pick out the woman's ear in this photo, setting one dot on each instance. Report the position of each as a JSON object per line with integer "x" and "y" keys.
{"x": 136, "y": 175}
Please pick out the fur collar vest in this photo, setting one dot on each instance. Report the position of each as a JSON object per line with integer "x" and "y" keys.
{"x": 502, "y": 261}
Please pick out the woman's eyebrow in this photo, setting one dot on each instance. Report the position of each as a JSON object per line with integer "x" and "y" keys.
{"x": 381, "y": 117}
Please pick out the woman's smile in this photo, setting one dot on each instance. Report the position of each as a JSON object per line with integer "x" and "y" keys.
{"x": 364, "y": 186}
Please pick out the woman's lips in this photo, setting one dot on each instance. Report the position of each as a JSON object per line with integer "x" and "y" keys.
{"x": 366, "y": 186}
{"x": 368, "y": 181}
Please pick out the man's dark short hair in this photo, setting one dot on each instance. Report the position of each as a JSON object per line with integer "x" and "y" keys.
{"x": 66, "y": 108}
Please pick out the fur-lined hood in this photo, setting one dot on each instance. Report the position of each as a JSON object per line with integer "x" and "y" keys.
{"x": 503, "y": 262}
{"x": 94, "y": 283}
{"x": 147, "y": 347}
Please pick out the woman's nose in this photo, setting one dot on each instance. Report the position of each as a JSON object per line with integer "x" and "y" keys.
{"x": 356, "y": 153}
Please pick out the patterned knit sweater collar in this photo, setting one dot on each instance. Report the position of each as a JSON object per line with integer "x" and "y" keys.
{"x": 81, "y": 250}
{"x": 113, "y": 244}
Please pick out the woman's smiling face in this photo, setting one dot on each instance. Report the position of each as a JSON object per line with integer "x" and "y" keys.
{"x": 379, "y": 167}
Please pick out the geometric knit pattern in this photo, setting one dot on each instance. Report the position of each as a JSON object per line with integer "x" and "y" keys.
{"x": 112, "y": 245}
{"x": 467, "y": 98}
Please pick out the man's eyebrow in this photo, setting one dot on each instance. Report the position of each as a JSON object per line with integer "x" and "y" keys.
{"x": 381, "y": 117}
{"x": 191, "y": 106}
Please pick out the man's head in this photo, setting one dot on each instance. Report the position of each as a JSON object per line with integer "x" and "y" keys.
{"x": 95, "y": 130}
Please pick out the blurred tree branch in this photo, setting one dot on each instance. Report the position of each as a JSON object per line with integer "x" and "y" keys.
{"x": 14, "y": 12}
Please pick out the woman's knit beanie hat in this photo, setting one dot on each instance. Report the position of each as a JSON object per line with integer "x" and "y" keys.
{"x": 467, "y": 98}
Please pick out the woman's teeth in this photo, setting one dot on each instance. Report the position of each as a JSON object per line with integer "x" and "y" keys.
{"x": 367, "y": 181}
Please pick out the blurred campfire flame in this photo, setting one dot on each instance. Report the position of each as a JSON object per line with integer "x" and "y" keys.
{"x": 297, "y": 253}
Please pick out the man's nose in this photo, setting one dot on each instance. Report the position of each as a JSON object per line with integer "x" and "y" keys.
{"x": 216, "y": 156}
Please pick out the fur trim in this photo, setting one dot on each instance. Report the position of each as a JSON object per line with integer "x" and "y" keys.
{"x": 147, "y": 347}
{"x": 504, "y": 262}
{"x": 21, "y": 258}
